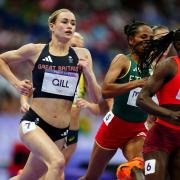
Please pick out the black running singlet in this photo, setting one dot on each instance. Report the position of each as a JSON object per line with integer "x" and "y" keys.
{"x": 56, "y": 76}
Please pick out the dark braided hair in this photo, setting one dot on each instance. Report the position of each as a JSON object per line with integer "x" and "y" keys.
{"x": 131, "y": 29}
{"x": 153, "y": 50}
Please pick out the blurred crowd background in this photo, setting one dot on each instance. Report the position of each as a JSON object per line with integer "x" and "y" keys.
{"x": 100, "y": 22}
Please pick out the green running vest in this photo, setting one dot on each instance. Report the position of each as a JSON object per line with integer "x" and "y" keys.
{"x": 125, "y": 105}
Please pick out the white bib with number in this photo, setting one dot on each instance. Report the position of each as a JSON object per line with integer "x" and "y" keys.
{"x": 60, "y": 83}
{"x": 28, "y": 126}
{"x": 133, "y": 96}
{"x": 108, "y": 118}
{"x": 150, "y": 166}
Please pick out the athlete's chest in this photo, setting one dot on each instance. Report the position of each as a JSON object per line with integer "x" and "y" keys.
{"x": 65, "y": 63}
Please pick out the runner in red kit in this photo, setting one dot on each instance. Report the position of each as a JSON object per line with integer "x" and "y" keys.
{"x": 162, "y": 145}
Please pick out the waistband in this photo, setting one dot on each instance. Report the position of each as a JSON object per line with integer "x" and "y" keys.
{"x": 36, "y": 118}
{"x": 167, "y": 124}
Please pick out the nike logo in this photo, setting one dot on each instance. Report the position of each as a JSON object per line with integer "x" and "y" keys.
{"x": 141, "y": 134}
{"x": 70, "y": 139}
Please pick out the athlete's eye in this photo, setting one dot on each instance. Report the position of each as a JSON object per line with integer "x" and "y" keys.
{"x": 64, "y": 22}
{"x": 73, "y": 23}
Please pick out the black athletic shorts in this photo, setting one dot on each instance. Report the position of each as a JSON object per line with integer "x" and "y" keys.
{"x": 53, "y": 132}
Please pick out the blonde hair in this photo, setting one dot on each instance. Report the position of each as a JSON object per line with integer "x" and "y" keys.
{"x": 76, "y": 34}
{"x": 154, "y": 28}
{"x": 52, "y": 18}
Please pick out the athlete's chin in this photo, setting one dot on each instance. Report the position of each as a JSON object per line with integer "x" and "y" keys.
{"x": 65, "y": 39}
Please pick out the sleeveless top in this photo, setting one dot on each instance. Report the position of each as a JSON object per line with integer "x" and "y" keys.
{"x": 170, "y": 92}
{"x": 56, "y": 76}
{"x": 125, "y": 105}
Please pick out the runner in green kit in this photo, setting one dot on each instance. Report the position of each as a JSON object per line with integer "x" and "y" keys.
{"x": 123, "y": 127}
{"x": 127, "y": 101}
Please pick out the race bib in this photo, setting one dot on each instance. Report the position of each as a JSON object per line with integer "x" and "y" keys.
{"x": 133, "y": 96}
{"x": 60, "y": 82}
{"x": 108, "y": 118}
{"x": 28, "y": 126}
{"x": 150, "y": 166}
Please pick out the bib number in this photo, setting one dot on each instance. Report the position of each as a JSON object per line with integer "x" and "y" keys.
{"x": 150, "y": 166}
{"x": 133, "y": 96}
{"x": 60, "y": 83}
{"x": 108, "y": 118}
{"x": 28, "y": 126}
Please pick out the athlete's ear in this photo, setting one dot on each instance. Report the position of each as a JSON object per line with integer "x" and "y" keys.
{"x": 51, "y": 26}
{"x": 130, "y": 40}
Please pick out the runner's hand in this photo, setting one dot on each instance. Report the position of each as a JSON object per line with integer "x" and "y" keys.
{"x": 24, "y": 87}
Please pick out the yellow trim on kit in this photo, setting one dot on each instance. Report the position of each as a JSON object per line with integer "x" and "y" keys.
{"x": 81, "y": 88}
{"x": 126, "y": 72}
{"x": 104, "y": 147}
{"x": 80, "y": 91}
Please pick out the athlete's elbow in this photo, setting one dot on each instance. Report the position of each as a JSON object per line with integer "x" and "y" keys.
{"x": 106, "y": 91}
{"x": 95, "y": 99}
